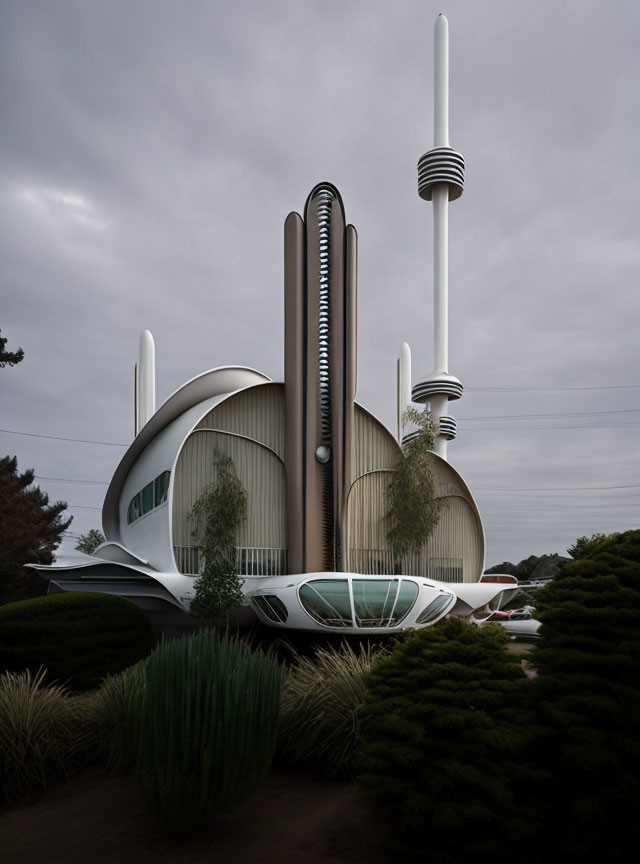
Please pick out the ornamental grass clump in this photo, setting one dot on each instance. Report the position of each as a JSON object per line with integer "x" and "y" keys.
{"x": 208, "y": 724}
{"x": 114, "y": 711}
{"x": 45, "y": 735}
{"x": 443, "y": 737}
{"x": 320, "y": 696}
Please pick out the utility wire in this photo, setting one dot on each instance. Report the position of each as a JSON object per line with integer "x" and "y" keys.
{"x": 82, "y": 507}
{"x": 547, "y": 428}
{"x": 58, "y": 438}
{"x": 552, "y": 488}
{"x": 551, "y": 389}
{"x": 71, "y": 480}
{"x": 549, "y": 416}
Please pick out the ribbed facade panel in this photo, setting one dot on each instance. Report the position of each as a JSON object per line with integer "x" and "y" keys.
{"x": 260, "y": 471}
{"x": 374, "y": 447}
{"x": 454, "y": 551}
{"x": 257, "y": 412}
{"x": 451, "y": 555}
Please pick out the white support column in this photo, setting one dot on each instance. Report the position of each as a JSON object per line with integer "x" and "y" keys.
{"x": 441, "y": 278}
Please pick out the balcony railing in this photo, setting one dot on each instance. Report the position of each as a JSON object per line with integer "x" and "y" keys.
{"x": 379, "y": 562}
{"x": 250, "y": 561}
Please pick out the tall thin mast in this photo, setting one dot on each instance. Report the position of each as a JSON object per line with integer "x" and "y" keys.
{"x": 440, "y": 179}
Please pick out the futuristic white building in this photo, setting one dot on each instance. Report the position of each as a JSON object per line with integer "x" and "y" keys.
{"x": 313, "y": 553}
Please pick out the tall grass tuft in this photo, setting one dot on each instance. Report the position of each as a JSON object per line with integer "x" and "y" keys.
{"x": 317, "y": 709}
{"x": 45, "y": 734}
{"x": 207, "y": 728}
{"x": 115, "y": 713}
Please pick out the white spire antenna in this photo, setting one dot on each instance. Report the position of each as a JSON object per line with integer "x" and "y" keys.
{"x": 440, "y": 179}
{"x": 404, "y": 386}
{"x": 146, "y": 379}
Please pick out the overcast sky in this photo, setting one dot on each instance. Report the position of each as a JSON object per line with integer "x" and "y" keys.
{"x": 150, "y": 152}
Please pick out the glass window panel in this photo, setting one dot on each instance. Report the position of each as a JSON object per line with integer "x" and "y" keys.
{"x": 147, "y": 497}
{"x": 407, "y": 596}
{"x": 134, "y": 511}
{"x": 161, "y": 487}
{"x": 272, "y": 607}
{"x": 434, "y": 609}
{"x": 373, "y": 601}
{"x": 327, "y": 601}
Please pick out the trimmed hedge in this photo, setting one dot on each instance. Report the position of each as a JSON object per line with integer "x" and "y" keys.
{"x": 79, "y": 637}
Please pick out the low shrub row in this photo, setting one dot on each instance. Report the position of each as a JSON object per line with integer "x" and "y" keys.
{"x": 78, "y": 637}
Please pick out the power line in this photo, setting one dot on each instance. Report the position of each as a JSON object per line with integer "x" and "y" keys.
{"x": 550, "y": 389}
{"x": 59, "y": 438}
{"x": 553, "y": 488}
{"x": 549, "y": 416}
{"x": 82, "y": 507}
{"x": 548, "y": 428}
{"x": 71, "y": 480}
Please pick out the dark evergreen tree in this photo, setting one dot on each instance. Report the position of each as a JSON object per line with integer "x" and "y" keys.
{"x": 588, "y": 697}
{"x": 443, "y": 735}
{"x": 30, "y": 530}
{"x": 585, "y": 546}
{"x": 9, "y": 358}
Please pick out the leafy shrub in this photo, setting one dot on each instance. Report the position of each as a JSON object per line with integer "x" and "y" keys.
{"x": 79, "y": 637}
{"x": 317, "y": 709}
{"x": 44, "y": 734}
{"x": 114, "y": 711}
{"x": 442, "y": 732}
{"x": 207, "y": 728}
{"x": 588, "y": 697}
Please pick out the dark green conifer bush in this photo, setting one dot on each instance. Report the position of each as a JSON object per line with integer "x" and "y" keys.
{"x": 443, "y": 733}
{"x": 207, "y": 728}
{"x": 588, "y": 696}
{"x": 79, "y": 637}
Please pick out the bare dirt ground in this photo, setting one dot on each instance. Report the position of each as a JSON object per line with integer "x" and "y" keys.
{"x": 101, "y": 819}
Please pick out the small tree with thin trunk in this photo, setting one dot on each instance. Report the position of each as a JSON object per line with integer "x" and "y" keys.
{"x": 413, "y": 511}
{"x": 217, "y": 515}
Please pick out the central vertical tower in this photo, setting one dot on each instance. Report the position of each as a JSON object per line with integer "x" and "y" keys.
{"x": 440, "y": 179}
{"x": 320, "y": 378}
